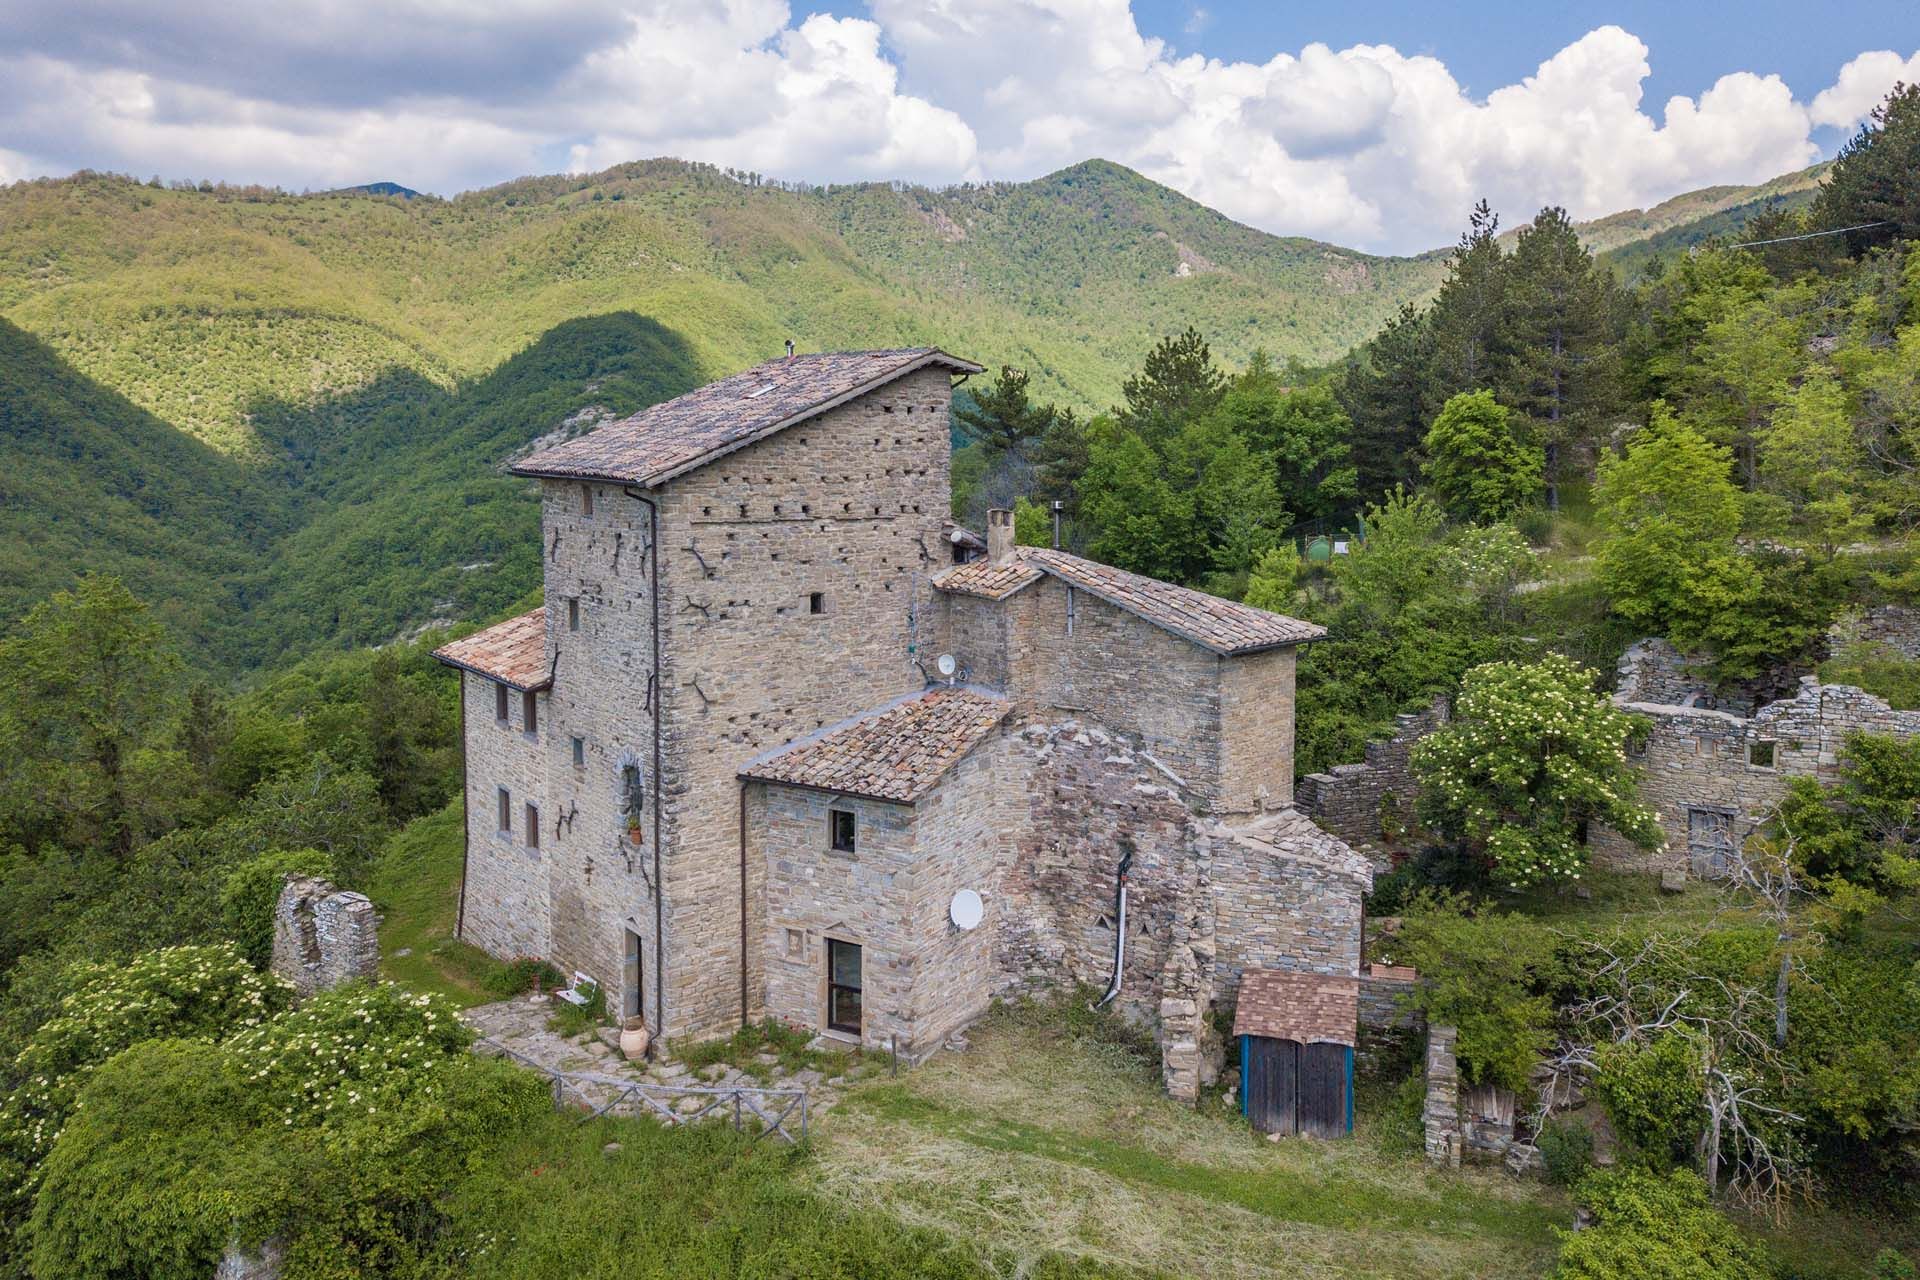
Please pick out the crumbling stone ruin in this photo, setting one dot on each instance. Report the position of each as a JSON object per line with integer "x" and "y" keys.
{"x": 323, "y": 936}
{"x": 1714, "y": 773}
{"x": 778, "y": 744}
{"x": 1370, "y": 804}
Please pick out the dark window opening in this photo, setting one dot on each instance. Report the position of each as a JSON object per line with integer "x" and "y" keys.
{"x": 500, "y": 703}
{"x": 633, "y": 999}
{"x": 632, "y": 795}
{"x": 586, "y": 499}
{"x": 1760, "y": 754}
{"x": 579, "y": 752}
{"x": 530, "y": 711}
{"x": 573, "y": 614}
{"x": 840, "y": 829}
{"x": 504, "y": 799}
{"x": 817, "y": 602}
{"x": 843, "y": 986}
{"x": 533, "y": 826}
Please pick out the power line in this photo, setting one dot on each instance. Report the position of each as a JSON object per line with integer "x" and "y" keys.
{"x": 1811, "y": 235}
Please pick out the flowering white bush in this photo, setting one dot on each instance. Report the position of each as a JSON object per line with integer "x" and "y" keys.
{"x": 181, "y": 993}
{"x": 1531, "y": 754}
{"x": 348, "y": 1052}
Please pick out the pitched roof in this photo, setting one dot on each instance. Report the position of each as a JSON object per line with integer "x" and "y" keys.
{"x": 1224, "y": 626}
{"x": 513, "y": 652}
{"x": 1289, "y": 833}
{"x": 661, "y": 442}
{"x": 1311, "y": 1008}
{"x": 894, "y": 752}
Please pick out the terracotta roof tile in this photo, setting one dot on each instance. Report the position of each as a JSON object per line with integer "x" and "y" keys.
{"x": 896, "y": 752}
{"x": 989, "y": 581}
{"x": 1224, "y": 626}
{"x": 1311, "y": 1008}
{"x": 660, "y": 442}
{"x": 513, "y": 652}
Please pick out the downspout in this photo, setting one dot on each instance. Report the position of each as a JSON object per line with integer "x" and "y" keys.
{"x": 1119, "y": 928}
{"x": 466, "y": 818}
{"x": 659, "y": 788}
{"x": 743, "y": 902}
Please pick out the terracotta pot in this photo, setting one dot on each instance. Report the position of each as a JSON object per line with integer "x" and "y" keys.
{"x": 634, "y": 1039}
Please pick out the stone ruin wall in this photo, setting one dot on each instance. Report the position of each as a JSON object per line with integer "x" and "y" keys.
{"x": 323, "y": 936}
{"x": 1348, "y": 800}
{"x": 1892, "y": 628}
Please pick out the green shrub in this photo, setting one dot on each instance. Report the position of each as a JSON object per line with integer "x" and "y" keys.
{"x": 356, "y": 1049}
{"x": 1402, "y": 1124}
{"x": 1566, "y": 1149}
{"x": 1648, "y": 1225}
{"x": 1483, "y": 975}
{"x": 252, "y": 892}
{"x": 1891, "y": 1264}
{"x": 522, "y": 975}
{"x": 1652, "y": 1093}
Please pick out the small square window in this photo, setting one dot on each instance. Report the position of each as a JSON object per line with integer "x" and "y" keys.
{"x": 1760, "y": 753}
{"x": 530, "y": 711}
{"x": 533, "y": 826}
{"x": 586, "y": 499}
{"x": 796, "y": 944}
{"x": 817, "y": 602}
{"x": 840, "y": 830}
{"x": 504, "y": 801}
{"x": 573, "y": 614}
{"x": 500, "y": 703}
{"x": 579, "y": 752}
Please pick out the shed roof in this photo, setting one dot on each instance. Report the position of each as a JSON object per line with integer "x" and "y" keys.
{"x": 1226, "y": 627}
{"x": 1311, "y": 1008}
{"x": 513, "y": 652}
{"x": 894, "y": 752}
{"x": 678, "y": 435}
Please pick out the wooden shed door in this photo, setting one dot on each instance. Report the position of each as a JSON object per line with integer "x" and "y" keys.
{"x": 1272, "y": 1083}
{"x": 1324, "y": 1082}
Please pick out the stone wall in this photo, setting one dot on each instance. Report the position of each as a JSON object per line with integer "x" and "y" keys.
{"x": 1256, "y": 732}
{"x": 1440, "y": 1114}
{"x": 323, "y": 936}
{"x": 505, "y": 909}
{"x": 1388, "y": 1027}
{"x": 1652, "y": 670}
{"x": 1696, "y": 759}
{"x": 1890, "y": 628}
{"x": 1348, "y": 801}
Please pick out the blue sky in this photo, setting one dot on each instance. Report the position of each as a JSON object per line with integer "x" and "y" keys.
{"x": 1374, "y": 125}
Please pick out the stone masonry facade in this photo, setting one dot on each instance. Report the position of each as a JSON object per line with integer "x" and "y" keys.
{"x": 744, "y": 590}
{"x": 323, "y": 936}
{"x": 1370, "y": 802}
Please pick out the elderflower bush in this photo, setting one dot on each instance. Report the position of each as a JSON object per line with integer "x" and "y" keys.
{"x": 1532, "y": 753}
{"x": 348, "y": 1053}
{"x": 180, "y": 993}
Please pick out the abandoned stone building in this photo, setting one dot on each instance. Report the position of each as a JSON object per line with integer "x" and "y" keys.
{"x": 783, "y": 742}
{"x": 1713, "y": 771}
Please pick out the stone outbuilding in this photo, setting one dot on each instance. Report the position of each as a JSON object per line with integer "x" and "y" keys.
{"x": 783, "y": 740}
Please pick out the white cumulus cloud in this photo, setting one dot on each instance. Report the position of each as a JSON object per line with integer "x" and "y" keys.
{"x": 1366, "y": 145}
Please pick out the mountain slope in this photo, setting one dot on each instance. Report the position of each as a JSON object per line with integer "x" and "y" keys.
{"x": 200, "y": 305}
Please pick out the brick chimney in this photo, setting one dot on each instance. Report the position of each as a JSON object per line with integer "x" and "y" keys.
{"x": 999, "y": 535}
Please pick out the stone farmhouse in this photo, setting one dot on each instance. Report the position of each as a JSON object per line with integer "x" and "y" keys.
{"x": 782, "y": 743}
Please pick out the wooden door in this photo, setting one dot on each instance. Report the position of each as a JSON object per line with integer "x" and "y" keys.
{"x": 1270, "y": 1082}
{"x": 1326, "y": 1082}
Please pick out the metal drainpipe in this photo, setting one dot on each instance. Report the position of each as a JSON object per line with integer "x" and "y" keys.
{"x": 743, "y": 902}
{"x": 1119, "y": 930}
{"x": 659, "y": 788}
{"x": 466, "y": 818}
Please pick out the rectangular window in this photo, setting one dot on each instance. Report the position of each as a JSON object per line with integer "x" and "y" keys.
{"x": 500, "y": 703}
{"x": 843, "y": 987}
{"x": 633, "y": 1001}
{"x": 533, "y": 826}
{"x": 1709, "y": 842}
{"x": 573, "y": 614}
{"x": 840, "y": 830}
{"x": 817, "y": 602}
{"x": 530, "y": 711}
{"x": 586, "y": 499}
{"x": 505, "y": 804}
{"x": 1760, "y": 753}
{"x": 579, "y": 752}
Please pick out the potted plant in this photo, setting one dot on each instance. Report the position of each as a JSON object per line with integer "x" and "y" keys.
{"x": 635, "y": 833}
{"x": 634, "y": 1038}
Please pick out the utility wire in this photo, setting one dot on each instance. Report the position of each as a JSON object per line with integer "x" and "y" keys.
{"x": 1811, "y": 235}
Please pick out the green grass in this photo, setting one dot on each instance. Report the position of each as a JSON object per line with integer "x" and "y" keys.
{"x": 416, "y": 889}
{"x": 789, "y": 1045}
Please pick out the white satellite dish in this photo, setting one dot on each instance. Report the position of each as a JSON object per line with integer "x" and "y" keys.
{"x": 966, "y": 909}
{"x": 946, "y": 665}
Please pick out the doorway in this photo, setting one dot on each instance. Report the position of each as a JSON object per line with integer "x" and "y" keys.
{"x": 633, "y": 1000}
{"x": 843, "y": 987}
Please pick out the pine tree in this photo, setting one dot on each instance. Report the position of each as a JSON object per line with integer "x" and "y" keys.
{"x": 1876, "y": 177}
{"x": 1465, "y": 319}
{"x": 1178, "y": 384}
{"x": 1004, "y": 416}
{"x": 1383, "y": 392}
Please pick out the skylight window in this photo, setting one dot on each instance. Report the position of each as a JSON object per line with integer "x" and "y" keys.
{"x": 758, "y": 392}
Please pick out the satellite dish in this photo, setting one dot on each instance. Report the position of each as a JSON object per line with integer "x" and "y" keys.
{"x": 966, "y": 909}
{"x": 946, "y": 665}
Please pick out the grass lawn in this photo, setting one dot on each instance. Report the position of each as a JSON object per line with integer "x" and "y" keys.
{"x": 1048, "y": 1144}
{"x": 416, "y": 888}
